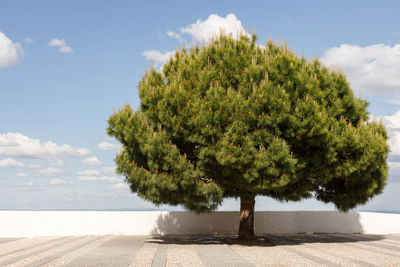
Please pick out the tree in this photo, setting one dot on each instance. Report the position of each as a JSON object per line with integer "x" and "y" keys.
{"x": 235, "y": 119}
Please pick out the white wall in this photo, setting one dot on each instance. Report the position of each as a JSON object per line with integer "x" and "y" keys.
{"x": 73, "y": 223}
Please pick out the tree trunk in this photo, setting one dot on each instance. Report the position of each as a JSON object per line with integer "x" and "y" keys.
{"x": 246, "y": 227}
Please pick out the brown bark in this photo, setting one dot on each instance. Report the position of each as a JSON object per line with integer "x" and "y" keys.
{"x": 246, "y": 227}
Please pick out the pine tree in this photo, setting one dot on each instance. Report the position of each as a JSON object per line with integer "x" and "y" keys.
{"x": 235, "y": 119}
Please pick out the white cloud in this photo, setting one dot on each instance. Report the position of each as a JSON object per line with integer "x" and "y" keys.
{"x": 174, "y": 35}
{"x": 394, "y": 141}
{"x": 392, "y": 124}
{"x": 394, "y": 171}
{"x": 109, "y": 170}
{"x": 25, "y": 184}
{"x": 96, "y": 176}
{"x": 49, "y": 172}
{"x": 9, "y": 51}
{"x": 371, "y": 69}
{"x": 108, "y": 146}
{"x": 98, "y": 179}
{"x": 28, "y": 40}
{"x": 199, "y": 31}
{"x": 58, "y": 163}
{"x": 34, "y": 166}
{"x": 120, "y": 186}
{"x": 21, "y": 174}
{"x": 61, "y": 44}
{"x": 60, "y": 182}
{"x": 9, "y": 162}
{"x": 89, "y": 173}
{"x": 212, "y": 26}
{"x": 92, "y": 161}
{"x": 19, "y": 145}
{"x": 157, "y": 56}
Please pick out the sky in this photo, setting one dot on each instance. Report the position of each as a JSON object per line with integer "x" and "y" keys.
{"x": 66, "y": 65}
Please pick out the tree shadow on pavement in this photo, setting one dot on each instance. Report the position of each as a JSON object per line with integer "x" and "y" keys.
{"x": 298, "y": 239}
{"x": 186, "y": 240}
{"x": 264, "y": 240}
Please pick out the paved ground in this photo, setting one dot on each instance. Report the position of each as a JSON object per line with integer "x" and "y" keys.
{"x": 268, "y": 250}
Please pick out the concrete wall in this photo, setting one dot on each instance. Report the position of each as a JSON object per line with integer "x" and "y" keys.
{"x": 73, "y": 223}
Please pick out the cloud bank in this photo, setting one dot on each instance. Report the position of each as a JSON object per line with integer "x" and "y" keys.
{"x": 92, "y": 161}
{"x": 212, "y": 26}
{"x": 392, "y": 124}
{"x": 371, "y": 70}
{"x": 56, "y": 181}
{"x": 49, "y": 172}
{"x": 101, "y": 179}
{"x": 91, "y": 175}
{"x": 108, "y": 146}
{"x": 9, "y": 162}
{"x": 120, "y": 186}
{"x": 200, "y": 31}
{"x": 19, "y": 145}
{"x": 9, "y": 51}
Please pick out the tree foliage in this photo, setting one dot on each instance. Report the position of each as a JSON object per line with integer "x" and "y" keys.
{"x": 235, "y": 119}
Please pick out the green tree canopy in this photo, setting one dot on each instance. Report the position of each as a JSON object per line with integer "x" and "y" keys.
{"x": 235, "y": 119}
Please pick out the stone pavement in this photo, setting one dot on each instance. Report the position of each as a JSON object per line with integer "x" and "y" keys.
{"x": 267, "y": 250}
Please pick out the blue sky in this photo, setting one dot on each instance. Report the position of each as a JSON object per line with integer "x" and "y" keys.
{"x": 65, "y": 65}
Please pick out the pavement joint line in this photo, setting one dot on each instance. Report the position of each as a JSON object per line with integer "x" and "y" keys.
{"x": 7, "y": 262}
{"x": 385, "y": 240}
{"x": 359, "y": 246}
{"x": 62, "y": 253}
{"x": 210, "y": 257}
{"x": 337, "y": 255}
{"x": 120, "y": 250}
{"x": 149, "y": 250}
{"x": 350, "y": 259}
{"x": 160, "y": 258}
{"x": 272, "y": 256}
{"x": 305, "y": 254}
{"x": 8, "y": 240}
{"x": 183, "y": 255}
{"x": 233, "y": 251}
{"x": 391, "y": 242}
{"x": 393, "y": 237}
{"x": 388, "y": 242}
{"x": 388, "y": 247}
{"x": 71, "y": 256}
{"x": 312, "y": 257}
{"x": 32, "y": 246}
